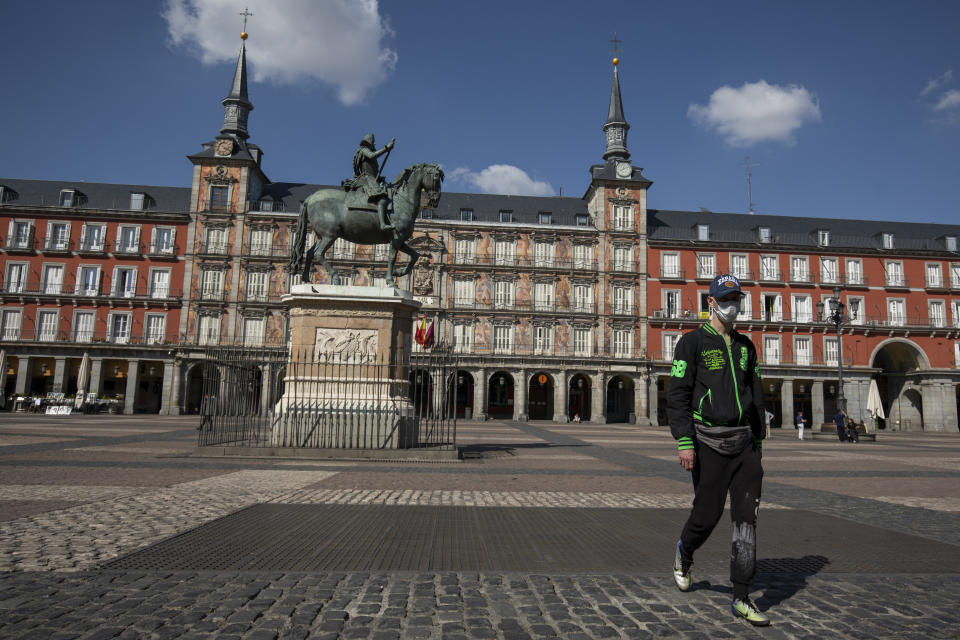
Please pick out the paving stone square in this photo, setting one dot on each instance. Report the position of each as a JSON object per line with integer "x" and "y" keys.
{"x": 116, "y": 528}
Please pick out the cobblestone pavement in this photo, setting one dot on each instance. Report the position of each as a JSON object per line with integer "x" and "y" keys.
{"x": 76, "y": 493}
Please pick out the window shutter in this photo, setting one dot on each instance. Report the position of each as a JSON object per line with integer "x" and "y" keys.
{"x": 173, "y": 240}
{"x": 136, "y": 240}
{"x": 46, "y": 241}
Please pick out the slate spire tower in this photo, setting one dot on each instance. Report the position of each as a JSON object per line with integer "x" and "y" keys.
{"x": 237, "y": 106}
{"x": 616, "y": 127}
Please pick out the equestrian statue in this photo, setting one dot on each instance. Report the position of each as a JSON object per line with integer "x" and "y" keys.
{"x": 361, "y": 214}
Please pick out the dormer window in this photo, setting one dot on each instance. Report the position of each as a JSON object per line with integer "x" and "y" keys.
{"x": 763, "y": 233}
{"x": 887, "y": 239}
{"x": 951, "y": 242}
{"x": 265, "y": 204}
{"x": 583, "y": 220}
{"x": 506, "y": 216}
{"x": 703, "y": 232}
{"x": 7, "y": 194}
{"x": 426, "y": 214}
{"x": 545, "y": 217}
{"x": 823, "y": 237}
{"x": 68, "y": 197}
{"x": 138, "y": 201}
{"x": 466, "y": 215}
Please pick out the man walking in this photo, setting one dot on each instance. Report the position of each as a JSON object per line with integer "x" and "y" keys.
{"x": 715, "y": 415}
{"x": 801, "y": 423}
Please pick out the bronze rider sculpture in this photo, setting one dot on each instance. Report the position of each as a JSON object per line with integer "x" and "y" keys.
{"x": 367, "y": 179}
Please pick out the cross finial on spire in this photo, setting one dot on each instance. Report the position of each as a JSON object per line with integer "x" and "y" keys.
{"x": 616, "y": 45}
{"x": 246, "y": 13}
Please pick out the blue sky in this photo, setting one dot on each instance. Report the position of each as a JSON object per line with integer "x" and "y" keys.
{"x": 851, "y": 109}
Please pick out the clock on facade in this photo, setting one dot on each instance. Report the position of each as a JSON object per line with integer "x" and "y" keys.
{"x": 224, "y": 147}
{"x": 624, "y": 170}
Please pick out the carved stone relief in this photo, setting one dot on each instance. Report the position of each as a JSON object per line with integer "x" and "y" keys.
{"x": 352, "y": 343}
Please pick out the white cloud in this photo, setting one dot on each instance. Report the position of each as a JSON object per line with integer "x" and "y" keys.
{"x": 949, "y": 100}
{"x": 502, "y": 178}
{"x": 757, "y": 112}
{"x": 937, "y": 82}
{"x": 336, "y": 42}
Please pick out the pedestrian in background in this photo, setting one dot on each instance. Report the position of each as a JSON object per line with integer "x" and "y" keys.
{"x": 840, "y": 419}
{"x": 801, "y": 423}
{"x": 768, "y": 420}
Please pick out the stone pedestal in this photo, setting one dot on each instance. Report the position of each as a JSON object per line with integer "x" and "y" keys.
{"x": 346, "y": 384}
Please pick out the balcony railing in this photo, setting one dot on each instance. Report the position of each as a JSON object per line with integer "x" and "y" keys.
{"x": 622, "y": 266}
{"x": 896, "y": 282}
{"x": 745, "y": 277}
{"x": 672, "y": 274}
{"x": 127, "y": 248}
{"x": 161, "y": 250}
{"x": 855, "y": 281}
{"x": 801, "y": 277}
{"x": 94, "y": 336}
{"x": 706, "y": 275}
{"x": 771, "y": 275}
{"x": 205, "y": 293}
{"x": 88, "y": 245}
{"x": 19, "y": 243}
{"x": 214, "y": 248}
{"x": 935, "y": 284}
{"x": 53, "y": 245}
{"x": 516, "y": 261}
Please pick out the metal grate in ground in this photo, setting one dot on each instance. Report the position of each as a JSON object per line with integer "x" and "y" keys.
{"x": 298, "y": 537}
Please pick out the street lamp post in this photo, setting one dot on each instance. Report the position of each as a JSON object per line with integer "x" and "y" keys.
{"x": 838, "y": 317}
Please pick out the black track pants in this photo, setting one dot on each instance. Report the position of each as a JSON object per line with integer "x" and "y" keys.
{"x": 714, "y": 475}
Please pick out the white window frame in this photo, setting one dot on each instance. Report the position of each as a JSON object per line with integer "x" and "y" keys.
{"x": 465, "y": 250}
{"x": 85, "y": 232}
{"x": 772, "y": 355}
{"x": 261, "y": 241}
{"x": 18, "y": 283}
{"x": 766, "y": 274}
{"x": 163, "y": 291}
{"x": 823, "y": 237}
{"x": 777, "y": 314}
{"x": 582, "y": 298}
{"x": 138, "y": 198}
{"x": 57, "y": 244}
{"x": 623, "y": 219}
{"x": 703, "y": 232}
{"x": 622, "y": 299}
{"x": 463, "y": 337}
{"x": 955, "y": 313}
{"x": 543, "y": 296}
{"x": 52, "y": 288}
{"x": 543, "y": 253}
{"x": 582, "y": 256}
{"x": 800, "y": 268}
{"x": 125, "y": 247}
{"x": 208, "y": 329}
{"x": 887, "y": 240}
{"x": 464, "y": 292}
{"x": 155, "y": 334}
{"x": 623, "y": 258}
{"x": 831, "y": 350}
{"x": 543, "y": 339}
{"x": 826, "y": 276}
{"x": 938, "y": 319}
{"x": 503, "y": 338}
{"x": 803, "y": 356}
{"x": 544, "y": 217}
{"x": 665, "y": 296}
{"x": 669, "y": 342}
{"x": 215, "y": 240}
{"x": 211, "y": 286}
{"x": 746, "y": 307}
{"x": 504, "y": 252}
{"x": 112, "y": 335}
{"x": 857, "y": 278}
{"x": 896, "y": 318}
{"x": 165, "y": 249}
{"x": 503, "y": 291}
{"x": 11, "y": 323}
{"x": 805, "y": 316}
{"x": 623, "y": 343}
{"x": 706, "y": 266}
{"x": 81, "y": 288}
{"x": 860, "y": 317}
{"x": 48, "y": 324}
{"x": 934, "y": 269}
{"x": 257, "y": 286}
{"x": 893, "y": 273}
{"x": 582, "y": 341}
{"x": 80, "y": 333}
{"x": 115, "y": 288}
{"x": 342, "y": 249}
{"x": 741, "y": 274}
{"x": 21, "y": 234}
{"x": 259, "y": 325}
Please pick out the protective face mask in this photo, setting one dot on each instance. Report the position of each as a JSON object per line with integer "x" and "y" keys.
{"x": 727, "y": 311}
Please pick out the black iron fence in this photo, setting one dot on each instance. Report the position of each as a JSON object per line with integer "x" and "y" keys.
{"x": 271, "y": 398}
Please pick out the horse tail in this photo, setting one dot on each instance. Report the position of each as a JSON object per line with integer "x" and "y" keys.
{"x": 299, "y": 241}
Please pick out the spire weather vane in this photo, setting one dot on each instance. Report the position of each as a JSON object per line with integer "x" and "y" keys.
{"x": 245, "y": 13}
{"x": 616, "y": 45}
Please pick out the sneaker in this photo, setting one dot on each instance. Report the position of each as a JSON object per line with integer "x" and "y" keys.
{"x": 748, "y": 611}
{"x": 682, "y": 571}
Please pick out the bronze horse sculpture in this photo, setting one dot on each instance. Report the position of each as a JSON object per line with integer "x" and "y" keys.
{"x": 326, "y": 212}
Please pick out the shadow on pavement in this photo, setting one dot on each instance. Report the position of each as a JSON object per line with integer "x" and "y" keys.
{"x": 779, "y": 579}
{"x": 477, "y": 450}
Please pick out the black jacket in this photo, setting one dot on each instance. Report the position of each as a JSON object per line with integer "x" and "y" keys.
{"x": 714, "y": 384}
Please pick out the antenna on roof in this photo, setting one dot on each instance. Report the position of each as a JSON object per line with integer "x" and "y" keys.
{"x": 750, "y": 166}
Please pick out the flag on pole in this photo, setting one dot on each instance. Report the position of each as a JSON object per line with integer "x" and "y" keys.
{"x": 428, "y": 336}
{"x": 420, "y": 331}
